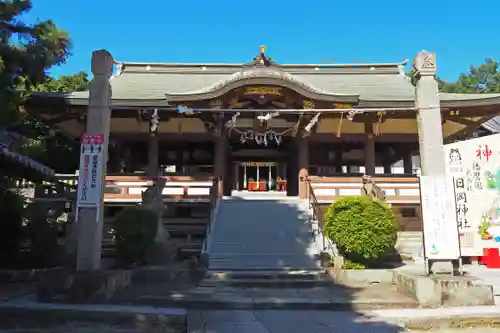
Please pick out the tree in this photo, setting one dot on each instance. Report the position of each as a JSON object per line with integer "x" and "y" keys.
{"x": 75, "y": 82}
{"x": 54, "y": 150}
{"x": 484, "y": 78}
{"x": 27, "y": 51}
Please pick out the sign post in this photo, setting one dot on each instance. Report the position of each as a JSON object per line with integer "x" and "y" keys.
{"x": 93, "y": 160}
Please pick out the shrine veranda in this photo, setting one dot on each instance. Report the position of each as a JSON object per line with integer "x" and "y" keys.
{"x": 265, "y": 126}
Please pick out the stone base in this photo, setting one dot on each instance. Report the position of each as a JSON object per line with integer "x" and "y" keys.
{"x": 353, "y": 276}
{"x": 443, "y": 291}
{"x": 67, "y": 287}
{"x": 161, "y": 251}
{"x": 30, "y": 317}
{"x": 168, "y": 275}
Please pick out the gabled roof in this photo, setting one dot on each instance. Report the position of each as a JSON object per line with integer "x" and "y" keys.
{"x": 151, "y": 81}
{"x": 493, "y": 125}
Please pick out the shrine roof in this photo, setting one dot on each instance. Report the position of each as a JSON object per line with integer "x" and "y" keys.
{"x": 378, "y": 85}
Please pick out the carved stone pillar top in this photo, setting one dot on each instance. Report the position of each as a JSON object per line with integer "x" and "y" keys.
{"x": 424, "y": 63}
{"x": 102, "y": 63}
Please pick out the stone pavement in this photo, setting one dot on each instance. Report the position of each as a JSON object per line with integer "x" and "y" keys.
{"x": 211, "y": 321}
{"x": 262, "y": 234}
{"x": 489, "y": 276}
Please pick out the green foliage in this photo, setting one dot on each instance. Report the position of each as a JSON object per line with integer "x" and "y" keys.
{"x": 11, "y": 226}
{"x": 42, "y": 234}
{"x": 135, "y": 230}
{"x": 467, "y": 82}
{"x": 348, "y": 264}
{"x": 363, "y": 229}
{"x": 75, "y": 82}
{"x": 27, "y": 51}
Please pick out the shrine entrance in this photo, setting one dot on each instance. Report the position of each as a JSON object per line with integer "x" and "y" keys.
{"x": 260, "y": 176}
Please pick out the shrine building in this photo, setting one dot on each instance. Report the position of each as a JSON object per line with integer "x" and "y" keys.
{"x": 262, "y": 125}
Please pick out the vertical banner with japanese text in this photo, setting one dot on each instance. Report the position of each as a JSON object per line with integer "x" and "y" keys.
{"x": 90, "y": 174}
{"x": 474, "y": 168}
{"x": 438, "y": 217}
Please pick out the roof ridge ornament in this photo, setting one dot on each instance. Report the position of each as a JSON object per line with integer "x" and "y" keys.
{"x": 262, "y": 60}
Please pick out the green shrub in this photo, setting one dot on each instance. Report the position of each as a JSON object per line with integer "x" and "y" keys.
{"x": 135, "y": 231}
{"x": 11, "y": 226}
{"x": 42, "y": 231}
{"x": 363, "y": 229}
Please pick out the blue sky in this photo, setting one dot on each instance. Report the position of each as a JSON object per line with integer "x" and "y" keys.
{"x": 460, "y": 32}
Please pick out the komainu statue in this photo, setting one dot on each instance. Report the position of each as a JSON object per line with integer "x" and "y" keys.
{"x": 161, "y": 251}
{"x": 371, "y": 189}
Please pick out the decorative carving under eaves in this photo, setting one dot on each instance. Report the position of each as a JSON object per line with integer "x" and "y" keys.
{"x": 261, "y": 72}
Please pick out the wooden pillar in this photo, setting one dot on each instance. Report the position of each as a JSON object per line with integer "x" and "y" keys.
{"x": 369, "y": 150}
{"x": 220, "y": 155}
{"x": 303, "y": 165}
{"x": 153, "y": 152}
{"x": 338, "y": 159}
{"x": 387, "y": 168}
{"x": 407, "y": 164}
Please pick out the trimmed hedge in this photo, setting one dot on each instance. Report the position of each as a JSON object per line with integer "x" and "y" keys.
{"x": 363, "y": 229}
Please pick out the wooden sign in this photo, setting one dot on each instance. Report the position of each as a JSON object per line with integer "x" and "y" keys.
{"x": 275, "y": 91}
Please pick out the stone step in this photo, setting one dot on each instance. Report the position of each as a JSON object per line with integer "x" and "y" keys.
{"x": 205, "y": 298}
{"x": 267, "y": 279}
{"x": 268, "y": 284}
{"x": 266, "y": 274}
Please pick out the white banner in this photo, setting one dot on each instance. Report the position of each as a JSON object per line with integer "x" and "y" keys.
{"x": 438, "y": 217}
{"x": 90, "y": 174}
{"x": 474, "y": 168}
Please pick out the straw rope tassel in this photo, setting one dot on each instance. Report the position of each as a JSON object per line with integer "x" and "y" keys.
{"x": 339, "y": 127}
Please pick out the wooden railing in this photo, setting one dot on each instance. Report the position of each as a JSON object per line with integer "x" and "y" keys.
{"x": 129, "y": 188}
{"x": 177, "y": 188}
{"x": 397, "y": 189}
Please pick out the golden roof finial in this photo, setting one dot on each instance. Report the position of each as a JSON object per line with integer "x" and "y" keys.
{"x": 262, "y": 49}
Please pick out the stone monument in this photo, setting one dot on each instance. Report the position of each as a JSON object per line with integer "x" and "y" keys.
{"x": 161, "y": 251}
{"x": 430, "y": 131}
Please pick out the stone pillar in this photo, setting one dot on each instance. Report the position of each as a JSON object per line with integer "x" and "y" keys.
{"x": 303, "y": 164}
{"x": 407, "y": 164}
{"x": 90, "y": 219}
{"x": 369, "y": 150}
{"x": 430, "y": 130}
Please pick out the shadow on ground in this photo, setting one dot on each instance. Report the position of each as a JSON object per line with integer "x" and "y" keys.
{"x": 263, "y": 276}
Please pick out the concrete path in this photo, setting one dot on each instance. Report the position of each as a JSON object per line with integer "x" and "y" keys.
{"x": 262, "y": 234}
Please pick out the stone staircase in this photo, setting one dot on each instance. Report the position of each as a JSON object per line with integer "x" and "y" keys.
{"x": 262, "y": 235}
{"x": 409, "y": 243}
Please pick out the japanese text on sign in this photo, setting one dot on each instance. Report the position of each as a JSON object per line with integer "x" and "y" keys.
{"x": 474, "y": 167}
{"x": 89, "y": 182}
